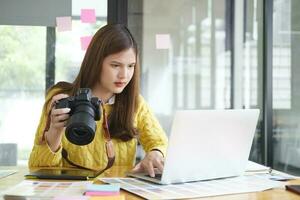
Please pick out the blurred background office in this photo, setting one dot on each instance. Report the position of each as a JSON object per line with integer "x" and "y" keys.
{"x": 216, "y": 54}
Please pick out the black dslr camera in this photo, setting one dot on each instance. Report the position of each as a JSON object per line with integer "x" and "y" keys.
{"x": 84, "y": 112}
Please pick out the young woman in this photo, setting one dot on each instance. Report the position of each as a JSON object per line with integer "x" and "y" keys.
{"x": 111, "y": 70}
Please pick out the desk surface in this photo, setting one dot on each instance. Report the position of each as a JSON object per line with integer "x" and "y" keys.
{"x": 274, "y": 194}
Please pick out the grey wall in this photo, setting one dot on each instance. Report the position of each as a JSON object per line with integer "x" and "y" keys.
{"x": 33, "y": 12}
{"x": 8, "y": 154}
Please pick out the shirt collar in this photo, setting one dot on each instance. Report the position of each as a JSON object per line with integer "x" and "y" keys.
{"x": 111, "y": 100}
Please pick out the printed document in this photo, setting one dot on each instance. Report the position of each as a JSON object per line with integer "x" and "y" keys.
{"x": 242, "y": 184}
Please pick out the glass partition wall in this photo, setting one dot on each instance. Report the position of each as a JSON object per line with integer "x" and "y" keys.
{"x": 193, "y": 72}
{"x": 22, "y": 86}
{"x": 251, "y": 73}
{"x": 209, "y": 64}
{"x": 195, "y": 69}
{"x": 23, "y": 60}
{"x": 286, "y": 77}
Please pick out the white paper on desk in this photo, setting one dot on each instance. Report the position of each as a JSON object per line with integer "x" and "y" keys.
{"x": 255, "y": 167}
{"x": 28, "y": 188}
{"x": 243, "y": 184}
{"x": 278, "y": 176}
{"x": 5, "y": 173}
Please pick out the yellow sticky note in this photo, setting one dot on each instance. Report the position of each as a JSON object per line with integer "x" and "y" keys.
{"x": 116, "y": 197}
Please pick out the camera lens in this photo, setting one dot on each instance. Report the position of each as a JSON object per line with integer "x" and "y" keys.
{"x": 80, "y": 134}
{"x": 79, "y": 131}
{"x": 81, "y": 126}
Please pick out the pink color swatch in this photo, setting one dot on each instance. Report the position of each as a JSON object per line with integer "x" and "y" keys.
{"x": 98, "y": 193}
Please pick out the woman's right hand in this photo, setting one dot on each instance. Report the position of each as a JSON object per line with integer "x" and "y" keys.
{"x": 58, "y": 120}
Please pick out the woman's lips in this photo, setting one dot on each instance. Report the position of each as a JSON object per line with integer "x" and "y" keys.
{"x": 119, "y": 84}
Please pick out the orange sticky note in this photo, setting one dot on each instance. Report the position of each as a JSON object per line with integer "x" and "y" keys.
{"x": 85, "y": 41}
{"x": 88, "y": 16}
{"x": 64, "y": 23}
{"x": 162, "y": 41}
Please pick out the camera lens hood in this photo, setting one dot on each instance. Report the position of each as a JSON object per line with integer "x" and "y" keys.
{"x": 79, "y": 133}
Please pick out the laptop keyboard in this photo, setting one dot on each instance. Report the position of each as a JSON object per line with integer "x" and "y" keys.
{"x": 157, "y": 176}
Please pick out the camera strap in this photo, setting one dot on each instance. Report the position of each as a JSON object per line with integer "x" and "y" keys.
{"x": 65, "y": 156}
{"x": 108, "y": 142}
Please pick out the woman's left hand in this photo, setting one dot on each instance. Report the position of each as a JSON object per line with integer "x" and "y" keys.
{"x": 153, "y": 159}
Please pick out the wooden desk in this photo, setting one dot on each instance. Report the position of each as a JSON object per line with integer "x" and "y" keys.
{"x": 275, "y": 194}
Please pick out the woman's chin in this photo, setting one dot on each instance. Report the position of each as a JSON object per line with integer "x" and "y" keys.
{"x": 118, "y": 90}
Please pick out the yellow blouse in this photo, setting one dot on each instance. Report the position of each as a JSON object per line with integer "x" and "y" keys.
{"x": 93, "y": 156}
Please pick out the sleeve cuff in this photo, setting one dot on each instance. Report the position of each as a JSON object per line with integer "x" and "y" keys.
{"x": 162, "y": 150}
{"x": 54, "y": 152}
{"x": 42, "y": 156}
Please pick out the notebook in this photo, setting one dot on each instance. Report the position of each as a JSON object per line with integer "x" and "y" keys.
{"x": 63, "y": 174}
{"x": 207, "y": 144}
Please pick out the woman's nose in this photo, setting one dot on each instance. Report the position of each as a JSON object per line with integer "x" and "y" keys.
{"x": 123, "y": 72}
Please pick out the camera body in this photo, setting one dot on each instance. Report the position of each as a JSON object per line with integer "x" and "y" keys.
{"x": 81, "y": 125}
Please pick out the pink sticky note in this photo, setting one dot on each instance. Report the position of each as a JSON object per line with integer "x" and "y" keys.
{"x": 64, "y": 23}
{"x": 85, "y": 41}
{"x": 71, "y": 198}
{"x": 98, "y": 193}
{"x": 162, "y": 41}
{"x": 88, "y": 16}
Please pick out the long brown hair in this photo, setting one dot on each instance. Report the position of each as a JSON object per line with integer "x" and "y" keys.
{"x": 110, "y": 39}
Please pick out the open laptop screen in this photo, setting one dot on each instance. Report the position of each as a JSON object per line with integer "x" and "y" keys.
{"x": 208, "y": 144}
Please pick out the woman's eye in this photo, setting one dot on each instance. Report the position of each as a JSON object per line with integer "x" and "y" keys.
{"x": 114, "y": 65}
{"x": 131, "y": 66}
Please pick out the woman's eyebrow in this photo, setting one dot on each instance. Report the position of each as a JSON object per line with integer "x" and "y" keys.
{"x": 120, "y": 63}
{"x": 116, "y": 62}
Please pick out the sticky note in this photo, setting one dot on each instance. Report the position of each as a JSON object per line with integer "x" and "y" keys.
{"x": 162, "y": 41}
{"x": 88, "y": 16}
{"x": 71, "y": 198}
{"x": 101, "y": 193}
{"x": 85, "y": 41}
{"x": 64, "y": 24}
{"x": 119, "y": 197}
{"x": 103, "y": 187}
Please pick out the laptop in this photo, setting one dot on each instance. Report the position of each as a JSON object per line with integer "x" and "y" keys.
{"x": 207, "y": 144}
